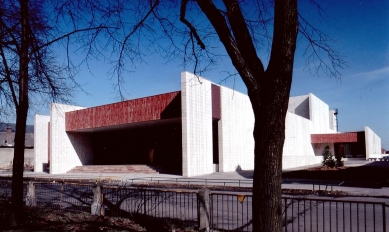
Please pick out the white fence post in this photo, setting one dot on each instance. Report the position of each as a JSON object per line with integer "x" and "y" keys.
{"x": 97, "y": 207}
{"x": 204, "y": 209}
{"x": 31, "y": 197}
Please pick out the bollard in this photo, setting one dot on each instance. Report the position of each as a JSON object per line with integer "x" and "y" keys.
{"x": 97, "y": 207}
{"x": 30, "y": 197}
{"x": 204, "y": 210}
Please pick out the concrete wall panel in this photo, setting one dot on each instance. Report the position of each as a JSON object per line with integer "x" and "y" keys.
{"x": 319, "y": 115}
{"x": 289, "y": 162}
{"x": 298, "y": 147}
{"x": 236, "y": 141}
{"x": 298, "y": 150}
{"x": 299, "y": 105}
{"x": 333, "y": 120}
{"x": 196, "y": 100}
{"x": 41, "y": 142}
{"x": 373, "y": 143}
{"x": 297, "y": 136}
{"x": 67, "y": 150}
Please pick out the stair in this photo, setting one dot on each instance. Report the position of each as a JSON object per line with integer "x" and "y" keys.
{"x": 131, "y": 168}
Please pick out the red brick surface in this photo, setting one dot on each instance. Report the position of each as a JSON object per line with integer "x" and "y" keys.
{"x": 334, "y": 138}
{"x": 137, "y": 110}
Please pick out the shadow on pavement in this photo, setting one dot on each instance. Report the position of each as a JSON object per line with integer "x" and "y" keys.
{"x": 370, "y": 175}
{"x": 246, "y": 174}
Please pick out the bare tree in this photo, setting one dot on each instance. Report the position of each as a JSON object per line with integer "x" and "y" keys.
{"x": 243, "y": 28}
{"x": 29, "y": 74}
{"x": 268, "y": 91}
{"x": 188, "y": 30}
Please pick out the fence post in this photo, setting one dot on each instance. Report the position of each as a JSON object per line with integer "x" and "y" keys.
{"x": 384, "y": 216}
{"x": 144, "y": 202}
{"x": 31, "y": 197}
{"x": 97, "y": 207}
{"x": 203, "y": 210}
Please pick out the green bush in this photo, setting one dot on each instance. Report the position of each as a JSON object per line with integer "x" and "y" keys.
{"x": 339, "y": 161}
{"x": 328, "y": 158}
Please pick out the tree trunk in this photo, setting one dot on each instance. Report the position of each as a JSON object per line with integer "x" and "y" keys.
{"x": 270, "y": 104}
{"x": 269, "y": 136}
{"x": 269, "y": 95}
{"x": 21, "y": 114}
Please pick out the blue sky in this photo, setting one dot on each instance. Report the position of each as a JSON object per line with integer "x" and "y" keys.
{"x": 361, "y": 32}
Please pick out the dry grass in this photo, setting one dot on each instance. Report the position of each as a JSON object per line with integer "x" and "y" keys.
{"x": 34, "y": 219}
{"x": 37, "y": 219}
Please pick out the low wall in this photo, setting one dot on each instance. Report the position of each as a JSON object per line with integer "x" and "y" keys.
{"x": 7, "y": 156}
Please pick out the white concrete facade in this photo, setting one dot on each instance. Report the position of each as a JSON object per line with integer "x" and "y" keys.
{"x": 373, "y": 144}
{"x": 67, "y": 150}
{"x": 306, "y": 115}
{"x": 196, "y": 111}
{"x": 41, "y": 142}
{"x": 236, "y": 141}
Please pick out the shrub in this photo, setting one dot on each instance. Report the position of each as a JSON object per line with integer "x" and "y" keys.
{"x": 328, "y": 158}
{"x": 339, "y": 161}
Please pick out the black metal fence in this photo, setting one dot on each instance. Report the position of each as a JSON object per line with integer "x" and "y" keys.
{"x": 5, "y": 190}
{"x": 318, "y": 214}
{"x": 228, "y": 211}
{"x": 231, "y": 212}
{"x": 69, "y": 196}
{"x": 127, "y": 201}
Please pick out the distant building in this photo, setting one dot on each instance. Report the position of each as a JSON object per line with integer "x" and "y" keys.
{"x": 7, "y": 144}
{"x": 202, "y": 128}
{"x": 7, "y": 138}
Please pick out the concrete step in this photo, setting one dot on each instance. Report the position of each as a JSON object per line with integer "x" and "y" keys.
{"x": 136, "y": 168}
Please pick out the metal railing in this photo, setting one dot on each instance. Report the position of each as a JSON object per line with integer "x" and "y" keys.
{"x": 191, "y": 181}
{"x": 227, "y": 212}
{"x": 318, "y": 214}
{"x": 5, "y": 190}
{"x": 231, "y": 212}
{"x": 126, "y": 201}
{"x": 69, "y": 196}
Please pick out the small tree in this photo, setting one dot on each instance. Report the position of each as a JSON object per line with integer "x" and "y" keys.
{"x": 328, "y": 158}
{"x": 339, "y": 160}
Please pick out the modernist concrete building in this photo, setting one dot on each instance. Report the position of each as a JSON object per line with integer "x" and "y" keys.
{"x": 200, "y": 129}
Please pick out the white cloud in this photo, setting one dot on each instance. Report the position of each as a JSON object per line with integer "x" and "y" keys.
{"x": 373, "y": 74}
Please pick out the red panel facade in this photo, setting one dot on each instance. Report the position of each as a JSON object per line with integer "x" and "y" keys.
{"x": 334, "y": 138}
{"x": 216, "y": 111}
{"x": 137, "y": 110}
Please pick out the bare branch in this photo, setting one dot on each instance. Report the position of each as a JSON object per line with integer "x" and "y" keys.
{"x": 189, "y": 25}
{"x": 7, "y": 75}
{"x": 319, "y": 42}
{"x": 67, "y": 35}
{"x": 223, "y": 31}
{"x": 125, "y": 41}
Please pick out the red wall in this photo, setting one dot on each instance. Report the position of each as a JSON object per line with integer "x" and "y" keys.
{"x": 334, "y": 138}
{"x": 137, "y": 110}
